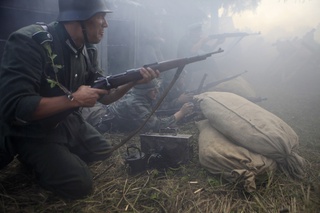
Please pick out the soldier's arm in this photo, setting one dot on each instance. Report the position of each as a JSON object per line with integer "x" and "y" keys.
{"x": 115, "y": 94}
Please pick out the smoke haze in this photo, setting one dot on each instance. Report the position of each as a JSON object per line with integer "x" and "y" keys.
{"x": 282, "y": 61}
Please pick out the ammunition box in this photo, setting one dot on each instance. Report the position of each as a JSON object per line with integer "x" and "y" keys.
{"x": 175, "y": 149}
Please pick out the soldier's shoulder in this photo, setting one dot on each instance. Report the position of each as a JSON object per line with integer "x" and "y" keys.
{"x": 37, "y": 32}
{"x": 29, "y": 30}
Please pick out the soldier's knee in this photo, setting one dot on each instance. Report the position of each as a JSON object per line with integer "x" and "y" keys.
{"x": 79, "y": 188}
{"x": 75, "y": 185}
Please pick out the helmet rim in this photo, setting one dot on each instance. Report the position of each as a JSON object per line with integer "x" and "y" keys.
{"x": 71, "y": 10}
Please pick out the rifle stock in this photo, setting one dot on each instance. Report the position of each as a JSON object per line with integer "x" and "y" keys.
{"x": 114, "y": 81}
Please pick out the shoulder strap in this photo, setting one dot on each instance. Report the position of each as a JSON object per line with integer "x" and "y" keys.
{"x": 89, "y": 59}
{"x": 42, "y": 36}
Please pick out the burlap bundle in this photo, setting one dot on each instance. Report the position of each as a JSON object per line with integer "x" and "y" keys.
{"x": 254, "y": 128}
{"x": 233, "y": 163}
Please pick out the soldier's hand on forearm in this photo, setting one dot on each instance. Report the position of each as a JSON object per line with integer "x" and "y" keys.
{"x": 86, "y": 96}
{"x": 148, "y": 74}
{"x": 186, "y": 109}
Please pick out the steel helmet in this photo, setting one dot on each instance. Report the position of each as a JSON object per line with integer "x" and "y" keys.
{"x": 80, "y": 10}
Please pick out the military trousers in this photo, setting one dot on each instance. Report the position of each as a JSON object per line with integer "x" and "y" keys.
{"x": 60, "y": 159}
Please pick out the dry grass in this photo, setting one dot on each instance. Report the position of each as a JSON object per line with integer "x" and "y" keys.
{"x": 187, "y": 189}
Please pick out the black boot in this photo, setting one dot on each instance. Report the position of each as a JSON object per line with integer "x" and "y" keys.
{"x": 5, "y": 159}
{"x": 6, "y": 152}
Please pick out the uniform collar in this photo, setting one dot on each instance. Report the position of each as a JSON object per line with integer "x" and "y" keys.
{"x": 68, "y": 40}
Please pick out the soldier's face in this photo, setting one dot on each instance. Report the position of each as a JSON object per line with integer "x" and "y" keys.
{"x": 95, "y": 27}
{"x": 153, "y": 93}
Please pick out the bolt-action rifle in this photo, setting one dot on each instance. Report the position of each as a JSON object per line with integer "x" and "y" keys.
{"x": 231, "y": 35}
{"x": 114, "y": 81}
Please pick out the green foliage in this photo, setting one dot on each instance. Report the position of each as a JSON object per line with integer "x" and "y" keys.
{"x": 52, "y": 56}
{"x": 52, "y": 82}
{"x": 154, "y": 196}
{"x": 55, "y": 67}
{"x": 184, "y": 178}
{"x": 213, "y": 182}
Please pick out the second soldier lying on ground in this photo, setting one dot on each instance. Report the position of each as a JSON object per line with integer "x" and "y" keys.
{"x": 130, "y": 112}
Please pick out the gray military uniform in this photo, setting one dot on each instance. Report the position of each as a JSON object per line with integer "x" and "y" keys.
{"x": 128, "y": 113}
{"x": 132, "y": 110}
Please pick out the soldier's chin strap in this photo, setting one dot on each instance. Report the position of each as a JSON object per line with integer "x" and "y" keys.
{"x": 84, "y": 32}
{"x": 132, "y": 134}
